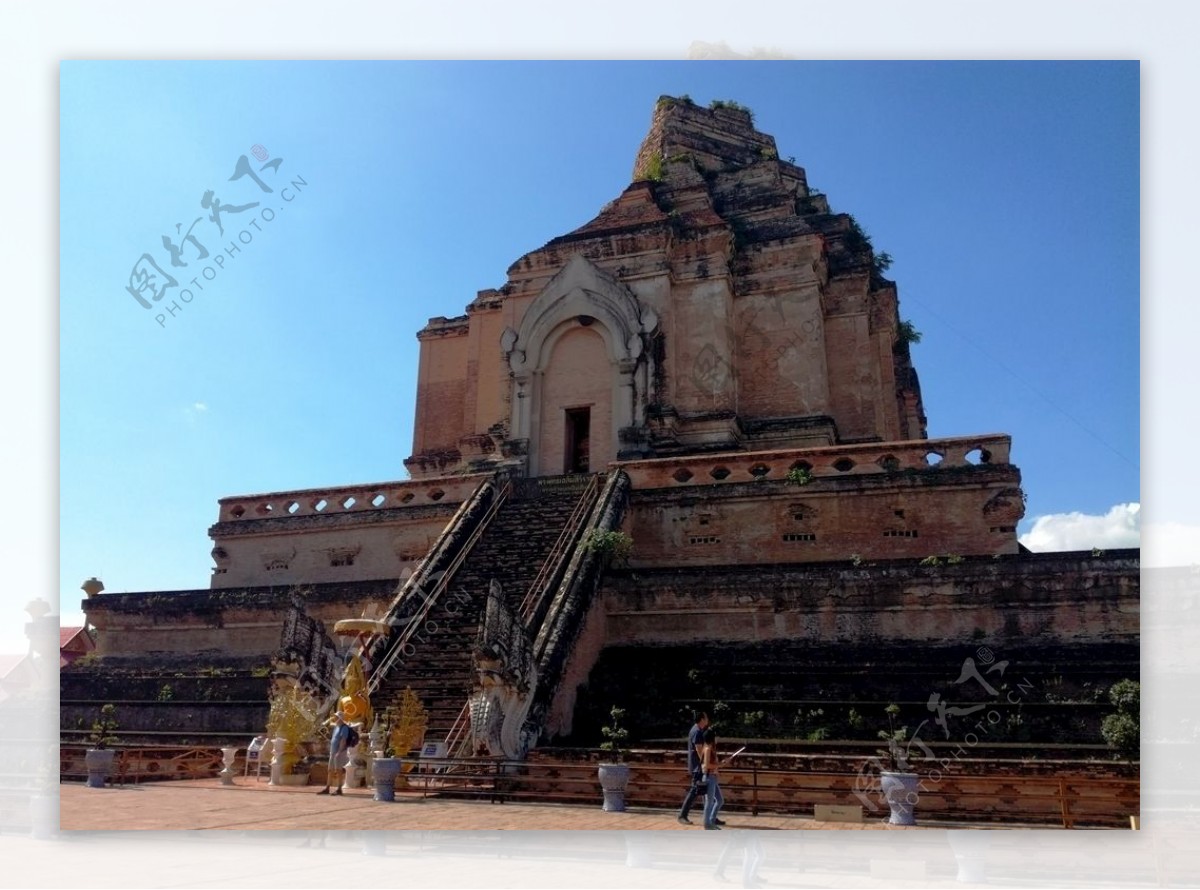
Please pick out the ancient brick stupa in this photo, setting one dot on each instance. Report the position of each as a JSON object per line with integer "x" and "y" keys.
{"x": 716, "y": 305}
{"x": 689, "y": 430}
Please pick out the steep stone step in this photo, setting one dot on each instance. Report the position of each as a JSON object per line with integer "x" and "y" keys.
{"x": 511, "y": 551}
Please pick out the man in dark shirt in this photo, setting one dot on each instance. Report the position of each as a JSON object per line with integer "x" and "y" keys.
{"x": 695, "y": 775}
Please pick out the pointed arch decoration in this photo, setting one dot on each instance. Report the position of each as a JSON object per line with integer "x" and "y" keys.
{"x": 580, "y": 293}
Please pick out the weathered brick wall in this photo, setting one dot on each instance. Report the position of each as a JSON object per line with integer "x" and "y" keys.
{"x": 442, "y": 386}
{"x": 732, "y": 509}
{"x": 350, "y": 533}
{"x": 1056, "y": 598}
{"x": 231, "y": 622}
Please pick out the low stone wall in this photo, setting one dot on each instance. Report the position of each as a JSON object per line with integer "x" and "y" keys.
{"x": 182, "y": 722}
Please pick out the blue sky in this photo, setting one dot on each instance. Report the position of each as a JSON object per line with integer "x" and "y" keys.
{"x": 1008, "y": 194}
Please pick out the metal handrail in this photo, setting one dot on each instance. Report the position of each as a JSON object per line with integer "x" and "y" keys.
{"x": 612, "y": 484}
{"x": 582, "y": 508}
{"x": 456, "y": 738}
{"x": 417, "y": 620}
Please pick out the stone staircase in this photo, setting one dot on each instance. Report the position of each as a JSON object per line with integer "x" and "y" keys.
{"x": 511, "y": 550}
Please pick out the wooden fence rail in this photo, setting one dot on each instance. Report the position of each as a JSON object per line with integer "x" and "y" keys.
{"x": 134, "y": 765}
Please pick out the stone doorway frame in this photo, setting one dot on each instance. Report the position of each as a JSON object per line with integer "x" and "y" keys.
{"x": 580, "y": 291}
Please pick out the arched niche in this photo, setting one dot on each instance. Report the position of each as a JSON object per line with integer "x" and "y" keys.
{"x": 580, "y": 296}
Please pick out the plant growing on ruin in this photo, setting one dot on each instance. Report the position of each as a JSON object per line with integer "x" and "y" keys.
{"x": 810, "y": 724}
{"x": 931, "y": 561}
{"x": 654, "y": 169}
{"x": 881, "y": 262}
{"x": 856, "y": 240}
{"x": 103, "y": 728}
{"x": 753, "y": 723}
{"x": 856, "y": 559}
{"x": 954, "y": 559}
{"x": 668, "y": 101}
{"x": 615, "y": 735}
{"x": 613, "y": 546}
{"x": 799, "y": 476}
{"x": 731, "y": 105}
{"x": 1122, "y": 730}
{"x": 907, "y": 333}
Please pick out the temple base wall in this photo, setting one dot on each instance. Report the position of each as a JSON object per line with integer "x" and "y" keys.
{"x": 1058, "y": 598}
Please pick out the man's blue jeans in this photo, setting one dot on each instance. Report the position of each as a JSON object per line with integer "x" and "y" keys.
{"x": 713, "y": 800}
{"x": 690, "y": 796}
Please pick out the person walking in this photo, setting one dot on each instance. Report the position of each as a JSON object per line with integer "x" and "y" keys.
{"x": 711, "y": 767}
{"x": 339, "y": 743}
{"x": 695, "y": 776}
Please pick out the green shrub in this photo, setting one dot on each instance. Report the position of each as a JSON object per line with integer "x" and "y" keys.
{"x": 731, "y": 105}
{"x": 907, "y": 333}
{"x": 615, "y": 735}
{"x": 1122, "y": 730}
{"x": 614, "y": 546}
{"x": 654, "y": 169}
{"x": 103, "y": 728}
{"x": 799, "y": 476}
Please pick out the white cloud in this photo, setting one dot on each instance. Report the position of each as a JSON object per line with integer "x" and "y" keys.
{"x": 199, "y": 406}
{"x": 1119, "y": 527}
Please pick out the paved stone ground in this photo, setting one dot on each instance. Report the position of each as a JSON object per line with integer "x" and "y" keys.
{"x": 251, "y": 805}
{"x": 257, "y": 836}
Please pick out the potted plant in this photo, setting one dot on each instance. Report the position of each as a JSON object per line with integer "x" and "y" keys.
{"x": 897, "y": 782}
{"x": 404, "y": 734}
{"x": 99, "y": 756}
{"x": 614, "y": 774}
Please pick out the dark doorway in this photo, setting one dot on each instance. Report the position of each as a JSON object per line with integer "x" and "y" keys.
{"x": 578, "y": 450}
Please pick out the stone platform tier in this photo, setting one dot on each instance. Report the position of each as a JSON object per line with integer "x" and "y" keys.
{"x": 205, "y": 699}
{"x": 790, "y": 651}
{"x": 1049, "y": 701}
{"x": 880, "y": 500}
{"x": 343, "y": 534}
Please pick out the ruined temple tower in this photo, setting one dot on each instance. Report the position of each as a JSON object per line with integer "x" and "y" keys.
{"x": 716, "y": 305}
{"x": 715, "y": 369}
